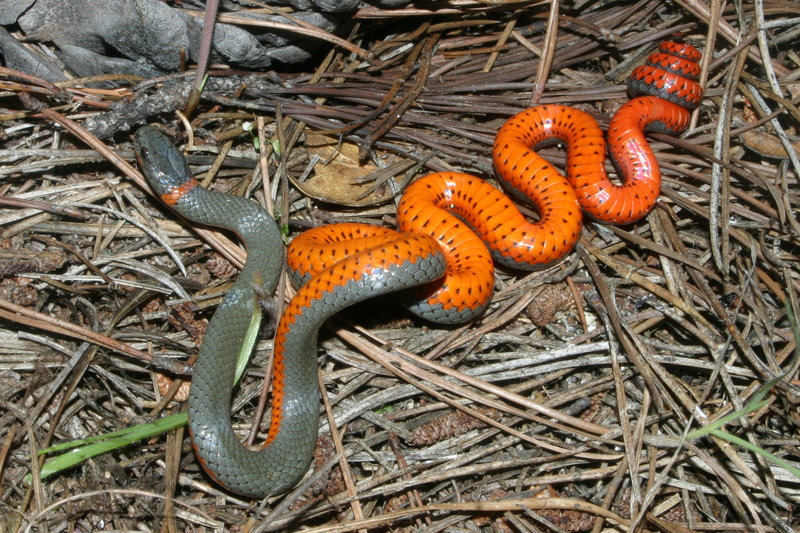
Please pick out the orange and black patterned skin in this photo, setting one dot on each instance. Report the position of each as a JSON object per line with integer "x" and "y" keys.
{"x": 466, "y": 214}
{"x": 671, "y": 74}
{"x": 446, "y": 221}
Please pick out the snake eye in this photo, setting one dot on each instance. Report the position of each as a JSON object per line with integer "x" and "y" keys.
{"x": 144, "y": 152}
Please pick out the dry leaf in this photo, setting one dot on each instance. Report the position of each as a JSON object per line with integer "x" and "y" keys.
{"x": 335, "y": 177}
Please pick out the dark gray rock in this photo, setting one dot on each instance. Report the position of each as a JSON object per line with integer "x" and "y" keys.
{"x": 10, "y": 10}
{"x": 146, "y": 37}
{"x": 20, "y": 58}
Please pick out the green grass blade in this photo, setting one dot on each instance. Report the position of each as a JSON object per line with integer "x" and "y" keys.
{"x": 755, "y": 449}
{"x": 84, "y": 449}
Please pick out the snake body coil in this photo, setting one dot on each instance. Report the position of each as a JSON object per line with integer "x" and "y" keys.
{"x": 437, "y": 253}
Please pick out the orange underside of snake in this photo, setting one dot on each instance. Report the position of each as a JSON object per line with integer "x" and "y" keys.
{"x": 466, "y": 215}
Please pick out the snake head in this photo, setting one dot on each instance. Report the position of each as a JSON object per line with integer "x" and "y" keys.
{"x": 163, "y": 164}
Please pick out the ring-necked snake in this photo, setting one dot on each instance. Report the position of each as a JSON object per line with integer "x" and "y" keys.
{"x": 436, "y": 252}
